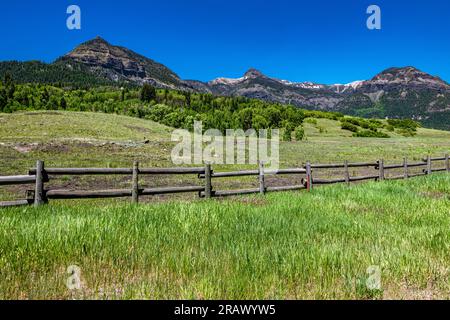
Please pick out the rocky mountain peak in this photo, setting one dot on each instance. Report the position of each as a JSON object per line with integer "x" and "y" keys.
{"x": 408, "y": 75}
{"x": 98, "y": 44}
{"x": 119, "y": 63}
{"x": 98, "y": 40}
{"x": 253, "y": 73}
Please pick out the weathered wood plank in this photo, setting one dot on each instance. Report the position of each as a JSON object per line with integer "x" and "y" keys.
{"x": 405, "y": 168}
{"x": 412, "y": 175}
{"x": 226, "y": 193}
{"x": 447, "y": 162}
{"x": 68, "y": 194}
{"x": 39, "y": 193}
{"x": 340, "y": 165}
{"x": 330, "y": 181}
{"x": 399, "y": 177}
{"x": 84, "y": 171}
{"x": 417, "y": 164}
{"x": 425, "y": 171}
{"x": 429, "y": 169}
{"x": 118, "y": 171}
{"x": 309, "y": 177}
{"x": 262, "y": 186}
{"x": 170, "y": 190}
{"x": 254, "y": 173}
{"x": 434, "y": 159}
{"x": 373, "y": 177}
{"x": 135, "y": 183}
{"x": 188, "y": 170}
{"x": 381, "y": 170}
{"x": 208, "y": 183}
{"x": 392, "y": 166}
{"x": 285, "y": 171}
{"x": 346, "y": 173}
{"x": 285, "y": 188}
{"x": 15, "y": 180}
{"x": 16, "y": 203}
{"x": 232, "y": 174}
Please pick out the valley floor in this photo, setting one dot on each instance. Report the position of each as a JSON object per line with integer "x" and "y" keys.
{"x": 77, "y": 139}
{"x": 292, "y": 245}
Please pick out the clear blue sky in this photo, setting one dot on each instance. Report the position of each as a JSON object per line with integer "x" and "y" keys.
{"x": 298, "y": 40}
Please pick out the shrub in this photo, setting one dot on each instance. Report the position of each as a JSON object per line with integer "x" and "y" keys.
{"x": 287, "y": 134}
{"x": 311, "y": 121}
{"x": 370, "y": 134}
{"x": 404, "y": 124}
{"x": 407, "y": 132}
{"x": 376, "y": 123}
{"x": 349, "y": 126}
{"x": 299, "y": 133}
{"x": 148, "y": 93}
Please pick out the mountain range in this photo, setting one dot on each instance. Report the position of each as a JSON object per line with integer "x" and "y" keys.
{"x": 403, "y": 92}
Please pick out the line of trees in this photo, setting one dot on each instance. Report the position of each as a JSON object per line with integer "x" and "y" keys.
{"x": 180, "y": 109}
{"x": 170, "y": 107}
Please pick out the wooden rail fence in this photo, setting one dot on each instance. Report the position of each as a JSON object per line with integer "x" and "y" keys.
{"x": 40, "y": 175}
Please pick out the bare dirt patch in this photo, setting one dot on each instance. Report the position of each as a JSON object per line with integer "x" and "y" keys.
{"x": 138, "y": 129}
{"x": 25, "y": 148}
{"x": 55, "y": 113}
{"x": 54, "y": 148}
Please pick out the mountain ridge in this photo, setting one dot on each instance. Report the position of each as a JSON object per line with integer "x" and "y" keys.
{"x": 394, "y": 92}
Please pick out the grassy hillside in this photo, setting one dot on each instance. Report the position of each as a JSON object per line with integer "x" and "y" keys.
{"x": 55, "y": 126}
{"x": 283, "y": 246}
{"x": 28, "y": 134}
{"x": 77, "y": 139}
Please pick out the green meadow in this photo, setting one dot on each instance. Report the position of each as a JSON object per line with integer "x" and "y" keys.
{"x": 292, "y": 245}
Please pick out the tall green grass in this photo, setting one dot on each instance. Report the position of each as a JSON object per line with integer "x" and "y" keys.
{"x": 294, "y": 245}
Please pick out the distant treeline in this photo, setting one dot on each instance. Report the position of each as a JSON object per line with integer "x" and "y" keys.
{"x": 173, "y": 108}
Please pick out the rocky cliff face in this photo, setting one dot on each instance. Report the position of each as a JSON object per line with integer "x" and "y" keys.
{"x": 121, "y": 64}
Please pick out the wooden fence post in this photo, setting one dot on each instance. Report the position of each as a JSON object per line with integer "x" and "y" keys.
{"x": 405, "y": 168}
{"x": 429, "y": 170}
{"x": 347, "y": 173}
{"x": 208, "y": 185}
{"x": 135, "y": 189}
{"x": 447, "y": 162}
{"x": 309, "y": 179}
{"x": 262, "y": 187}
{"x": 381, "y": 169}
{"x": 39, "y": 196}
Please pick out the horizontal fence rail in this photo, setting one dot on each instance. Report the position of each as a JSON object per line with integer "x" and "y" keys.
{"x": 254, "y": 173}
{"x": 15, "y": 180}
{"x": 16, "y": 203}
{"x": 118, "y": 171}
{"x": 342, "y": 165}
{"x": 40, "y": 175}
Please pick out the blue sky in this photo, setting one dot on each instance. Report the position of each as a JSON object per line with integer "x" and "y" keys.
{"x": 297, "y": 40}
